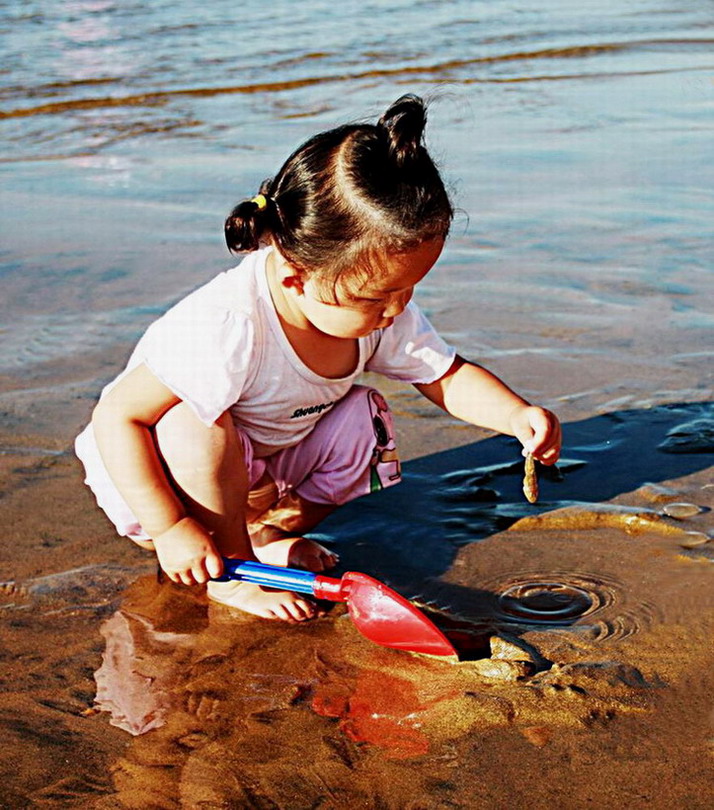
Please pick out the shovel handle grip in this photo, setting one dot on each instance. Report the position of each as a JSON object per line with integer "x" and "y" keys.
{"x": 286, "y": 579}
{"x": 271, "y": 576}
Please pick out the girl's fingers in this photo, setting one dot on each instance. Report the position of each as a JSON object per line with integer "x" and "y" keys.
{"x": 200, "y": 575}
{"x": 549, "y": 457}
{"x": 550, "y": 452}
{"x": 214, "y": 566}
{"x": 545, "y": 435}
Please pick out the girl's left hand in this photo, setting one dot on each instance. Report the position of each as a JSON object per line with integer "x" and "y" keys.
{"x": 538, "y": 430}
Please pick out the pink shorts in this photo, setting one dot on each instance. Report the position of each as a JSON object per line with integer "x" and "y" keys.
{"x": 350, "y": 452}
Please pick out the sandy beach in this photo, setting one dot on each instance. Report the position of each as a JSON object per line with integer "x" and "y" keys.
{"x": 600, "y": 596}
{"x": 577, "y": 145}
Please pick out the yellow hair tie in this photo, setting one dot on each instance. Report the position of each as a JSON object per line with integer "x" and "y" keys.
{"x": 261, "y": 201}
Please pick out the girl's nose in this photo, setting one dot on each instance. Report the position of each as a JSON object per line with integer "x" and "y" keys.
{"x": 396, "y": 305}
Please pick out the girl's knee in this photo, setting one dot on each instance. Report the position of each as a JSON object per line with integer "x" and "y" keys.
{"x": 187, "y": 444}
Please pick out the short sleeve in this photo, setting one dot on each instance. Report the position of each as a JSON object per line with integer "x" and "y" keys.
{"x": 202, "y": 353}
{"x": 411, "y": 350}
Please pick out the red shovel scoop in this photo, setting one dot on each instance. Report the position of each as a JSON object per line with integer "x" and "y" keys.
{"x": 379, "y": 613}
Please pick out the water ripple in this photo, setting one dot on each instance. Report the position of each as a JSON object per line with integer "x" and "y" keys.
{"x": 592, "y": 605}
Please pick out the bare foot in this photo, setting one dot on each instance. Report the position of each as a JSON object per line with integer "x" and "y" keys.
{"x": 264, "y": 602}
{"x": 296, "y": 552}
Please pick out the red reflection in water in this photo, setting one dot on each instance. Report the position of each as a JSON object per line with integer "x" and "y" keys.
{"x": 380, "y": 709}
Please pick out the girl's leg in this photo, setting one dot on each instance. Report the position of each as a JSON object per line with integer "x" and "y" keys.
{"x": 276, "y": 531}
{"x": 207, "y": 468}
{"x": 350, "y": 453}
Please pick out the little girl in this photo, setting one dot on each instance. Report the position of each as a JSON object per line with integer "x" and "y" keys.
{"x": 237, "y": 425}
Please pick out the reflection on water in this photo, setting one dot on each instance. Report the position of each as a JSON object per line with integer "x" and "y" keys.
{"x": 220, "y": 672}
{"x": 127, "y": 687}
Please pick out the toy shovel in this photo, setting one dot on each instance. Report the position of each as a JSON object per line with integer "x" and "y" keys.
{"x": 379, "y": 613}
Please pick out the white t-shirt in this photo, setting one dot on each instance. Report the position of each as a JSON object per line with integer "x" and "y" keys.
{"x": 223, "y": 348}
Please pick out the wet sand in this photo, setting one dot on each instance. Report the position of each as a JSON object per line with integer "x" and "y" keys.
{"x": 584, "y": 627}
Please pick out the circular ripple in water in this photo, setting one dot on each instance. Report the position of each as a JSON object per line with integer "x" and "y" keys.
{"x": 591, "y": 605}
{"x": 546, "y": 602}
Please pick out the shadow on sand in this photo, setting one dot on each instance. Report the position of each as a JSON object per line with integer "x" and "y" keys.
{"x": 409, "y": 535}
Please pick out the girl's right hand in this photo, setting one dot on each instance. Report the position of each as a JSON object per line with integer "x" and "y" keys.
{"x": 539, "y": 431}
{"x": 187, "y": 554}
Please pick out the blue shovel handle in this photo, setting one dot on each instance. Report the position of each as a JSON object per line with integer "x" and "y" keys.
{"x": 271, "y": 576}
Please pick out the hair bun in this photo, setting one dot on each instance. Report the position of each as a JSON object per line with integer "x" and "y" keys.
{"x": 245, "y": 224}
{"x": 404, "y": 124}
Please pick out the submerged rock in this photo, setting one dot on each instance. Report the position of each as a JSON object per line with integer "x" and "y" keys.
{"x": 596, "y": 678}
{"x": 537, "y": 735}
{"x": 631, "y": 519}
{"x": 696, "y": 436}
{"x": 91, "y": 587}
{"x": 656, "y": 493}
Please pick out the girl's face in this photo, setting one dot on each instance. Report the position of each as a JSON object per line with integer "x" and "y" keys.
{"x": 360, "y": 308}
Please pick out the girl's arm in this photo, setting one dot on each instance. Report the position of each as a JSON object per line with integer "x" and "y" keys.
{"x": 471, "y": 393}
{"x": 122, "y": 422}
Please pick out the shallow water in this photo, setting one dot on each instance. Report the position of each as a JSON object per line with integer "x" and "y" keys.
{"x": 577, "y": 140}
{"x": 583, "y": 642}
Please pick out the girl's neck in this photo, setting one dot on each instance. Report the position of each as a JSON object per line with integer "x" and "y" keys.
{"x": 328, "y": 356}
{"x": 285, "y": 305}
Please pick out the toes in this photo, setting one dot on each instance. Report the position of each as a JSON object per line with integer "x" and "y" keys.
{"x": 297, "y": 611}
{"x": 304, "y": 610}
{"x": 266, "y": 602}
{"x": 312, "y": 556}
{"x": 322, "y": 561}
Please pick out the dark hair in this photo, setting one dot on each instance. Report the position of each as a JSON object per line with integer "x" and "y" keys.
{"x": 347, "y": 193}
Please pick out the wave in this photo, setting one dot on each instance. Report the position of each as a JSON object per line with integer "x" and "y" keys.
{"x": 39, "y": 339}
{"x": 158, "y": 97}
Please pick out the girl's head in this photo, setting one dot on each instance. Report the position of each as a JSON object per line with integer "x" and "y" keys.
{"x": 349, "y": 197}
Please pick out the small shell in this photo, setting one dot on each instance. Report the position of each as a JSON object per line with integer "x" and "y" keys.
{"x": 502, "y": 670}
{"x": 681, "y": 510}
{"x": 694, "y": 540}
{"x": 505, "y": 650}
{"x": 530, "y": 480}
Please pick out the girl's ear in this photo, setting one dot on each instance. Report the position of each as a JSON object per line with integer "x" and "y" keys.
{"x": 294, "y": 281}
{"x": 289, "y": 277}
